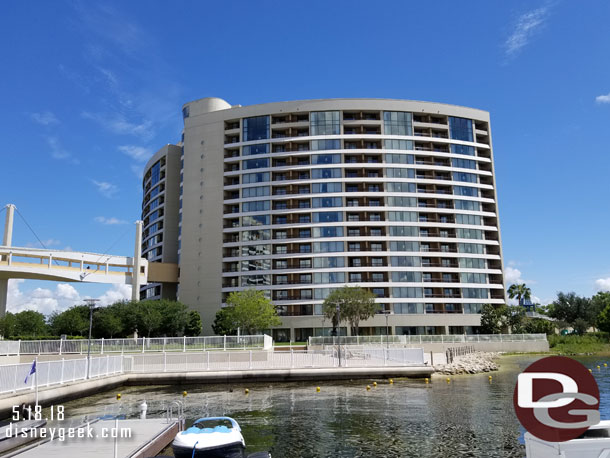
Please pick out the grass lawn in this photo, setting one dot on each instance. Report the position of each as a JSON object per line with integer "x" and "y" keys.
{"x": 578, "y": 345}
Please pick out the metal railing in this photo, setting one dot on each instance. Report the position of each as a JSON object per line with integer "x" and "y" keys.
{"x": 140, "y": 345}
{"x": 13, "y": 376}
{"x": 262, "y": 360}
{"x": 422, "y": 339}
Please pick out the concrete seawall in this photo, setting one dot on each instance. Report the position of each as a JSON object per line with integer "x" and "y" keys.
{"x": 69, "y": 391}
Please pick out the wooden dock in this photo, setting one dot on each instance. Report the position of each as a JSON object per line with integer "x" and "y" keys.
{"x": 147, "y": 439}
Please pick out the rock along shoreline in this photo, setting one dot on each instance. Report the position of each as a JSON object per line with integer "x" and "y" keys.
{"x": 472, "y": 363}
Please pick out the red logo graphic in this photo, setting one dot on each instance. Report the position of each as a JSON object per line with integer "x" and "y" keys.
{"x": 556, "y": 399}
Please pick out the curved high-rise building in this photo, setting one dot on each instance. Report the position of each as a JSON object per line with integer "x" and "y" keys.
{"x": 299, "y": 198}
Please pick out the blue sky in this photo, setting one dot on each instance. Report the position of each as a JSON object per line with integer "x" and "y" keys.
{"x": 90, "y": 90}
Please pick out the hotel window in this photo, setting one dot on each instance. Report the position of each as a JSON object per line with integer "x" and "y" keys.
{"x": 304, "y": 219}
{"x": 325, "y": 173}
{"x": 374, "y": 217}
{"x": 304, "y": 248}
{"x": 355, "y": 277}
{"x": 397, "y": 123}
{"x": 317, "y": 145}
{"x": 257, "y": 177}
{"x": 398, "y": 144}
{"x": 353, "y": 246}
{"x": 281, "y": 234}
{"x": 281, "y": 249}
{"x": 304, "y": 204}
{"x": 465, "y": 191}
{"x": 462, "y": 149}
{"x": 304, "y": 189}
{"x": 327, "y": 247}
{"x": 305, "y": 278}
{"x": 377, "y": 277}
{"x": 325, "y": 123}
{"x": 410, "y": 277}
{"x": 353, "y": 217}
{"x": 463, "y": 163}
{"x": 327, "y": 217}
{"x": 460, "y": 129}
{"x": 325, "y": 158}
{"x": 281, "y": 279}
{"x": 353, "y": 232}
{"x": 326, "y": 187}
{"x": 251, "y": 150}
{"x": 376, "y": 247}
{"x": 306, "y": 294}
{"x": 304, "y": 233}
{"x": 281, "y": 264}
{"x": 304, "y": 263}
{"x": 377, "y": 262}
{"x": 319, "y": 202}
{"x": 256, "y": 191}
{"x": 328, "y": 262}
{"x": 327, "y": 232}
{"x": 256, "y": 128}
{"x": 467, "y": 177}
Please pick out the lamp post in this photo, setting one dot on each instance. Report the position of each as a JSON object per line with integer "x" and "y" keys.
{"x": 90, "y": 304}
{"x": 338, "y": 309}
{"x": 387, "y": 327}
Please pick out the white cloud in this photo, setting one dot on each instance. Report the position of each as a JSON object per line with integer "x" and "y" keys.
{"x": 115, "y": 294}
{"x": 47, "y": 243}
{"x": 138, "y": 171}
{"x": 603, "y": 98}
{"x": 59, "y": 152}
{"x": 62, "y": 297}
{"x": 512, "y": 275}
{"x": 602, "y": 284}
{"x": 527, "y": 25}
{"x": 138, "y": 153}
{"x": 117, "y": 123}
{"x": 45, "y": 118}
{"x": 106, "y": 189}
{"x": 109, "y": 221}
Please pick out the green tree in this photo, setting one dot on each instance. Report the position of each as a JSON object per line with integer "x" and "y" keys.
{"x": 539, "y": 326}
{"x": 150, "y": 318}
{"x": 106, "y": 323}
{"x": 174, "y": 317}
{"x": 223, "y": 322}
{"x": 73, "y": 321}
{"x": 8, "y": 325}
{"x": 193, "y": 324}
{"x": 251, "y": 311}
{"x": 578, "y": 312}
{"x": 30, "y": 323}
{"x": 519, "y": 291}
{"x": 492, "y": 319}
{"x": 355, "y": 304}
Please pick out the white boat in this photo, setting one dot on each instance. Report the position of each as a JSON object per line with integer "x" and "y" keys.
{"x": 213, "y": 437}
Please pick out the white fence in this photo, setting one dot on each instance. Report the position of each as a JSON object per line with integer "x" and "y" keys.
{"x": 13, "y": 376}
{"x": 253, "y": 360}
{"x": 422, "y": 339}
{"x": 140, "y": 345}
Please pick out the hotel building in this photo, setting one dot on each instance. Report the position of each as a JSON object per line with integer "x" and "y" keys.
{"x": 299, "y": 198}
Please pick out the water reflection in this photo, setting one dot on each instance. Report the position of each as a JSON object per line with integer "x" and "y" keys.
{"x": 469, "y": 417}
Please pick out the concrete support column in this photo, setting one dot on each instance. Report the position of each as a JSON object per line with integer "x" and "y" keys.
{"x": 7, "y": 240}
{"x": 135, "y": 279}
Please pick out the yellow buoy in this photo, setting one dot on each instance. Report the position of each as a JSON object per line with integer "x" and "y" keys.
{"x": 391, "y": 381}
{"x": 448, "y": 380}
{"x": 374, "y": 383}
{"x": 605, "y": 364}
{"x": 598, "y": 368}
{"x": 590, "y": 370}
{"x": 246, "y": 391}
{"x": 368, "y": 387}
{"x": 490, "y": 377}
{"x": 427, "y": 380}
{"x": 184, "y": 393}
{"x": 318, "y": 389}
{"x": 118, "y": 395}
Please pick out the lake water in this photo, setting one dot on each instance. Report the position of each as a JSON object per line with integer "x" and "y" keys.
{"x": 469, "y": 417}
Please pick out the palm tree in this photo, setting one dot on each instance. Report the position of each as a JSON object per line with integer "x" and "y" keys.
{"x": 521, "y": 292}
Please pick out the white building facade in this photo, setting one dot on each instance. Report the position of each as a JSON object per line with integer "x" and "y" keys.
{"x": 300, "y": 198}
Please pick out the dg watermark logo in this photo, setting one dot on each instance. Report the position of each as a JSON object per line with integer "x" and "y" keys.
{"x": 557, "y": 399}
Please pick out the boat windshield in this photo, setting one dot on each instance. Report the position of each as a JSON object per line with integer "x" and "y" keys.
{"x": 213, "y": 423}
